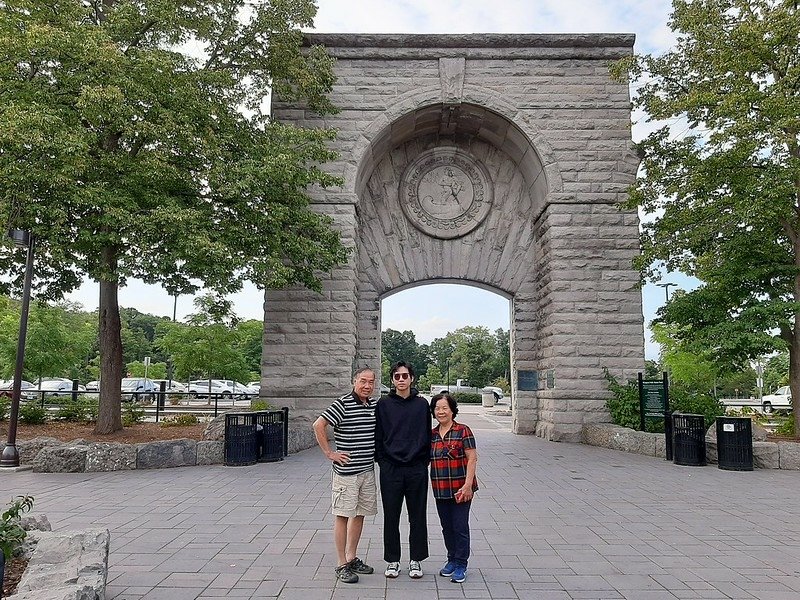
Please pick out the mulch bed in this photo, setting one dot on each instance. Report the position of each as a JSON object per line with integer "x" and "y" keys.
{"x": 135, "y": 434}
{"x": 13, "y": 573}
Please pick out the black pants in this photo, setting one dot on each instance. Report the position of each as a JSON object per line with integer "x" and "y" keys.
{"x": 454, "y": 517}
{"x": 409, "y": 483}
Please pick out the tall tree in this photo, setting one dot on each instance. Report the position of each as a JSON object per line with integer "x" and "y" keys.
{"x": 402, "y": 345}
{"x": 135, "y": 142}
{"x": 722, "y": 191}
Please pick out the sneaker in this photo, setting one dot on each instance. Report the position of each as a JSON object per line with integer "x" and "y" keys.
{"x": 392, "y": 570}
{"x": 414, "y": 569}
{"x": 345, "y": 575}
{"x": 459, "y": 575}
{"x": 359, "y": 566}
{"x": 448, "y": 569}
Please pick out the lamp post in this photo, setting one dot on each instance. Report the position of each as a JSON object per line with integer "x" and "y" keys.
{"x": 666, "y": 287}
{"x": 10, "y": 456}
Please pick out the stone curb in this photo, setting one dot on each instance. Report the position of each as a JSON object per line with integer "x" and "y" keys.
{"x": 48, "y": 455}
{"x": 766, "y": 455}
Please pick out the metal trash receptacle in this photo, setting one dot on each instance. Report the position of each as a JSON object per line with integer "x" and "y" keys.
{"x": 270, "y": 435}
{"x": 735, "y": 443}
{"x": 241, "y": 441}
{"x": 688, "y": 440}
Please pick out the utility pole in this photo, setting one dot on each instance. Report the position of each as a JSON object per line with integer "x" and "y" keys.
{"x": 666, "y": 287}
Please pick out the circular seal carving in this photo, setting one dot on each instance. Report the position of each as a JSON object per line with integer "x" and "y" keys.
{"x": 446, "y": 193}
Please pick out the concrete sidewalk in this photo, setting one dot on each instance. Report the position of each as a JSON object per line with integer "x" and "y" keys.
{"x": 552, "y": 522}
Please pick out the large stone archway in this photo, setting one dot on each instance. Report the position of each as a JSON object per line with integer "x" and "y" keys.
{"x": 496, "y": 160}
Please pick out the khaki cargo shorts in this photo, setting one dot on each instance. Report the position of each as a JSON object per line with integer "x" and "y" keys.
{"x": 354, "y": 495}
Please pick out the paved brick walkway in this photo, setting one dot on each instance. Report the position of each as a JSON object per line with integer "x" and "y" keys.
{"x": 551, "y": 522}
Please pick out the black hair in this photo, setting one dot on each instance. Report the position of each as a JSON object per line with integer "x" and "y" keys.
{"x": 399, "y": 364}
{"x": 450, "y": 401}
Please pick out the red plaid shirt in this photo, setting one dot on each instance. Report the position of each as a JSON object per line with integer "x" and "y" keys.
{"x": 449, "y": 460}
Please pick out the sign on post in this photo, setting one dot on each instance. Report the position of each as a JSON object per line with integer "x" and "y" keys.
{"x": 654, "y": 404}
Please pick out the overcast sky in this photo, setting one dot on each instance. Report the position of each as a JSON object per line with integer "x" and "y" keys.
{"x": 465, "y": 305}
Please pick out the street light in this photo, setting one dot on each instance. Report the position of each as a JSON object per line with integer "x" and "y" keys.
{"x": 10, "y": 456}
{"x": 666, "y": 287}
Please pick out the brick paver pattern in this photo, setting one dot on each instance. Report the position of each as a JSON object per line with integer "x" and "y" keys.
{"x": 550, "y": 522}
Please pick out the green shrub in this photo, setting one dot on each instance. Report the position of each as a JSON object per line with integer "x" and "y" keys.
{"x": 687, "y": 401}
{"x": 81, "y": 410}
{"x": 261, "y": 405}
{"x": 786, "y": 427}
{"x": 624, "y": 405}
{"x": 463, "y": 398}
{"x": 132, "y": 413}
{"x": 5, "y": 407}
{"x": 32, "y": 414}
{"x": 179, "y": 420}
{"x": 11, "y": 533}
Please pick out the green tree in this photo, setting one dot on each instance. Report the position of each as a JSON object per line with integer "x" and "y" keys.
{"x": 776, "y": 372}
{"x": 157, "y": 370}
{"x": 251, "y": 334}
{"x": 136, "y": 142}
{"x": 402, "y": 345}
{"x": 56, "y": 345}
{"x": 208, "y": 345}
{"x": 723, "y": 193}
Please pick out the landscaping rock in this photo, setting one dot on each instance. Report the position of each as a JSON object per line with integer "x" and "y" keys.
{"x": 210, "y": 453}
{"x": 29, "y": 449}
{"x": 789, "y": 455}
{"x": 215, "y": 430}
{"x": 636, "y": 442}
{"x": 35, "y": 522}
{"x": 599, "y": 434}
{"x": 67, "y": 566}
{"x": 712, "y": 453}
{"x": 765, "y": 455}
{"x": 168, "y": 453}
{"x": 110, "y": 457}
{"x": 61, "y": 459}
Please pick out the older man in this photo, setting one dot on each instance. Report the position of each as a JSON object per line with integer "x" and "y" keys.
{"x": 353, "y": 491}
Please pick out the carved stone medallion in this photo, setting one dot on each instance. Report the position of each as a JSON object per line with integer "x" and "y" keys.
{"x": 446, "y": 193}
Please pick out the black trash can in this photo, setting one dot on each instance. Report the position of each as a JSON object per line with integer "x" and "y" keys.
{"x": 241, "y": 441}
{"x": 688, "y": 440}
{"x": 735, "y": 443}
{"x": 270, "y": 435}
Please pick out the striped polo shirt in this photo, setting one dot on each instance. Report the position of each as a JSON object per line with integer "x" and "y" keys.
{"x": 354, "y": 432}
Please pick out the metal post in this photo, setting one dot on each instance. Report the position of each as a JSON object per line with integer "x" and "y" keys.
{"x": 10, "y": 455}
{"x": 74, "y": 390}
{"x": 667, "y": 418}
{"x": 285, "y": 431}
{"x": 641, "y": 403}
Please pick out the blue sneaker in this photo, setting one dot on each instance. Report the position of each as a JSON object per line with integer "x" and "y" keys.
{"x": 448, "y": 569}
{"x": 459, "y": 575}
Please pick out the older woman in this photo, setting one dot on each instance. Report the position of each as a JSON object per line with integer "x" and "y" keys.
{"x": 453, "y": 463}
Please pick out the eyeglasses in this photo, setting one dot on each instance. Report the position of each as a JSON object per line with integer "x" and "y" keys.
{"x": 399, "y": 376}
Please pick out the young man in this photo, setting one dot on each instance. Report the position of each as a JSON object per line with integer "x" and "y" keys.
{"x": 353, "y": 491}
{"x": 402, "y": 450}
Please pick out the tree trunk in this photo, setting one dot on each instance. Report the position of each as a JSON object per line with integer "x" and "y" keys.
{"x": 109, "y": 416}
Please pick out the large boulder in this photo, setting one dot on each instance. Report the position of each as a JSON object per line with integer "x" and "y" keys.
{"x": 789, "y": 455}
{"x": 215, "y": 430}
{"x": 110, "y": 457}
{"x": 61, "y": 459}
{"x": 168, "y": 453}
{"x": 29, "y": 449}
{"x": 210, "y": 453}
{"x": 765, "y": 455}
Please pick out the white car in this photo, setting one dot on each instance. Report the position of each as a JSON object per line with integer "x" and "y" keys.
{"x": 202, "y": 387}
{"x": 241, "y": 390}
{"x": 93, "y": 386}
{"x": 58, "y": 386}
{"x": 780, "y": 399}
{"x": 176, "y": 387}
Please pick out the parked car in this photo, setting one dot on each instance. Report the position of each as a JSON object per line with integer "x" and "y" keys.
{"x": 254, "y": 384}
{"x": 200, "y": 389}
{"x": 175, "y": 387}
{"x": 58, "y": 386}
{"x": 239, "y": 389}
{"x": 780, "y": 399}
{"x": 27, "y": 389}
{"x": 93, "y": 386}
{"x": 138, "y": 388}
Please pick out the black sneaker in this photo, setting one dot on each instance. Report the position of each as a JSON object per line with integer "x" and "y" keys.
{"x": 359, "y": 566}
{"x": 345, "y": 575}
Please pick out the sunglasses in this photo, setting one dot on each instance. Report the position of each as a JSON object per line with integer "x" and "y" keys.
{"x": 399, "y": 376}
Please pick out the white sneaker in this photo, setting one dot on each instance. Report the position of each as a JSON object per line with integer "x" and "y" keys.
{"x": 414, "y": 569}
{"x": 392, "y": 570}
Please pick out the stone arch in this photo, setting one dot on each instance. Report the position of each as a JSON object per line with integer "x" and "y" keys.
{"x": 537, "y": 120}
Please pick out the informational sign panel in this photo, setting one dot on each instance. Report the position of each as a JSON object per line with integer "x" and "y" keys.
{"x": 528, "y": 381}
{"x": 653, "y": 398}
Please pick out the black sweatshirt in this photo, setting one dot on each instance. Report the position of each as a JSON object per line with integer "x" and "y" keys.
{"x": 403, "y": 429}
